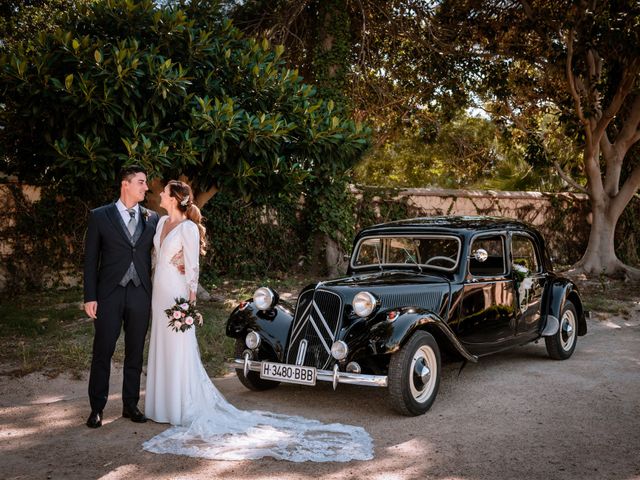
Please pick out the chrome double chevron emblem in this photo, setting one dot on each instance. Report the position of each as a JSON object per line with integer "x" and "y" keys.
{"x": 312, "y": 317}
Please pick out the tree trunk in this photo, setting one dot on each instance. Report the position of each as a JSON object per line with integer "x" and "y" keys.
{"x": 330, "y": 66}
{"x": 600, "y": 256}
{"x": 608, "y": 197}
{"x": 153, "y": 195}
{"x": 334, "y": 257}
{"x": 327, "y": 257}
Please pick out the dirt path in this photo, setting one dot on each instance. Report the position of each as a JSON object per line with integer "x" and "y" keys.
{"x": 511, "y": 416}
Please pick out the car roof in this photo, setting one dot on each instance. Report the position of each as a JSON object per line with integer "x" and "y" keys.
{"x": 449, "y": 224}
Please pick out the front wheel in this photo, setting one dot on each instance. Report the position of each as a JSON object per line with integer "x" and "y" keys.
{"x": 252, "y": 380}
{"x": 414, "y": 375}
{"x": 561, "y": 345}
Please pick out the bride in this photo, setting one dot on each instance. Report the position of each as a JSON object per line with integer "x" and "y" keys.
{"x": 178, "y": 389}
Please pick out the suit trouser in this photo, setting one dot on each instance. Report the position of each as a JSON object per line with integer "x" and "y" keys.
{"x": 128, "y": 308}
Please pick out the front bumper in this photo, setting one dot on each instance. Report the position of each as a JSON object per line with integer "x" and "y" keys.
{"x": 334, "y": 376}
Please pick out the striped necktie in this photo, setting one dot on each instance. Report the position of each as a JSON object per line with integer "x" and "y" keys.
{"x": 132, "y": 221}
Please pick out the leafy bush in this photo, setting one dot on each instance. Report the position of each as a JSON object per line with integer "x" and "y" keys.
{"x": 178, "y": 90}
{"x": 249, "y": 240}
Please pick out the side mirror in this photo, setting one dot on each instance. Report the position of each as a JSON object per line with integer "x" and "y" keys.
{"x": 346, "y": 257}
{"x": 480, "y": 255}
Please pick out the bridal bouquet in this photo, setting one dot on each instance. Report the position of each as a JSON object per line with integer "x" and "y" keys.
{"x": 183, "y": 315}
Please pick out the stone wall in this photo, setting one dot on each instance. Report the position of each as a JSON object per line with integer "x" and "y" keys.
{"x": 562, "y": 218}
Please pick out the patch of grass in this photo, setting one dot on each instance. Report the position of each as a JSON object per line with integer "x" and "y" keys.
{"x": 38, "y": 331}
{"x": 48, "y": 331}
{"x": 215, "y": 346}
{"x": 604, "y": 304}
{"x": 31, "y": 315}
{"x": 77, "y": 355}
{"x": 604, "y": 295}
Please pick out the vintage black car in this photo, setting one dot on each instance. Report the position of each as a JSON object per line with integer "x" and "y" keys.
{"x": 461, "y": 286}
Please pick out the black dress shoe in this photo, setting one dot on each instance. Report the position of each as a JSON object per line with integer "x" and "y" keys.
{"x": 94, "y": 420}
{"x": 134, "y": 414}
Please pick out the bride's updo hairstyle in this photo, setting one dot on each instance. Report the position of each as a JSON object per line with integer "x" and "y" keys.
{"x": 184, "y": 196}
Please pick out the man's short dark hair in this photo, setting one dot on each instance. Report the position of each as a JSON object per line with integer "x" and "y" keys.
{"x": 129, "y": 171}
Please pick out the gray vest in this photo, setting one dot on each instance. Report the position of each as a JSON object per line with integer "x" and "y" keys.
{"x": 131, "y": 273}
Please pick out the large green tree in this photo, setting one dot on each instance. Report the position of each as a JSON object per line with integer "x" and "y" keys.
{"x": 580, "y": 60}
{"x": 176, "y": 88}
{"x": 556, "y": 71}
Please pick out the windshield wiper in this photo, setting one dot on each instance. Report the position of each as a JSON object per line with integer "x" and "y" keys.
{"x": 413, "y": 260}
{"x": 378, "y": 256}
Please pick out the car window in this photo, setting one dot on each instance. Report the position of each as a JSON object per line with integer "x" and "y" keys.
{"x": 402, "y": 250}
{"x": 494, "y": 264}
{"x": 439, "y": 252}
{"x": 524, "y": 253}
{"x": 370, "y": 252}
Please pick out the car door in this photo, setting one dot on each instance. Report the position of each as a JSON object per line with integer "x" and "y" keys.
{"x": 529, "y": 280}
{"x": 486, "y": 317}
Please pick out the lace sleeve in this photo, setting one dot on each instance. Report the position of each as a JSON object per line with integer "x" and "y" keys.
{"x": 191, "y": 251}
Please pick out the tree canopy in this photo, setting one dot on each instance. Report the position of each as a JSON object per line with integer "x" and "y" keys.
{"x": 179, "y": 90}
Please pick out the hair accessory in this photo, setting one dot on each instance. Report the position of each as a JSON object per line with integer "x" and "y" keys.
{"x": 185, "y": 201}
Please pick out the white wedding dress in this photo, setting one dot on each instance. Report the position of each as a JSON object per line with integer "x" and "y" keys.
{"x": 179, "y": 391}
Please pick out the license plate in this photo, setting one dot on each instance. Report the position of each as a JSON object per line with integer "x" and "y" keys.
{"x": 288, "y": 373}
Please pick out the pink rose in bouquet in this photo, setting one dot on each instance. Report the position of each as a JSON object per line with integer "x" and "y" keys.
{"x": 183, "y": 315}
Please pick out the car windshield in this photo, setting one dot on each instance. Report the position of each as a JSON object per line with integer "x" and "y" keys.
{"x": 438, "y": 252}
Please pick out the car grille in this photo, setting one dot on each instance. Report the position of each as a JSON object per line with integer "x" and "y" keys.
{"x": 315, "y": 326}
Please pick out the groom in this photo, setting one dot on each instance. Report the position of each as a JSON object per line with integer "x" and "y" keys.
{"x": 117, "y": 290}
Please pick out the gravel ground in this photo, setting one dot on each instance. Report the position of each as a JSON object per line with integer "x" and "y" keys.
{"x": 515, "y": 415}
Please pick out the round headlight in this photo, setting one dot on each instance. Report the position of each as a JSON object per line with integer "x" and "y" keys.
{"x": 339, "y": 350}
{"x": 364, "y": 303}
{"x": 252, "y": 340}
{"x": 264, "y": 298}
